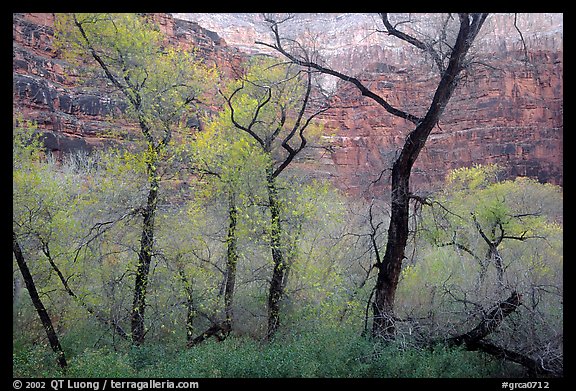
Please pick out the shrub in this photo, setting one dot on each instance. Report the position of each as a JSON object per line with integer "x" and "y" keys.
{"x": 34, "y": 361}
{"x": 100, "y": 363}
{"x": 325, "y": 352}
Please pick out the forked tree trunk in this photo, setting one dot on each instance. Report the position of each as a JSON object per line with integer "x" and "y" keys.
{"x": 38, "y": 305}
{"x": 390, "y": 267}
{"x": 292, "y": 143}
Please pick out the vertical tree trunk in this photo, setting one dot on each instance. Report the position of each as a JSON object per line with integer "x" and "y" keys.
{"x": 38, "y": 305}
{"x": 276, "y": 290}
{"x": 190, "y": 310}
{"x": 190, "y": 315}
{"x": 231, "y": 260}
{"x": 390, "y": 266}
{"x": 144, "y": 260}
{"x": 389, "y": 269}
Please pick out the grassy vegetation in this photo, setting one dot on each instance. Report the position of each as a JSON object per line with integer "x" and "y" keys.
{"x": 321, "y": 353}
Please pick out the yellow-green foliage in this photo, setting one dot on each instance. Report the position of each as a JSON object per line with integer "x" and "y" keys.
{"x": 283, "y": 87}
{"x": 88, "y": 211}
{"x": 472, "y": 178}
{"x": 452, "y": 268}
{"x": 160, "y": 85}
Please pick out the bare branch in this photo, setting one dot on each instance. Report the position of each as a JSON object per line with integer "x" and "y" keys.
{"x": 247, "y": 129}
{"x": 490, "y": 322}
{"x": 117, "y": 328}
{"x": 305, "y": 62}
{"x": 425, "y": 47}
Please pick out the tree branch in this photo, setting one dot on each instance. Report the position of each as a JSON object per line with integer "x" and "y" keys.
{"x": 247, "y": 129}
{"x": 489, "y": 323}
{"x": 425, "y": 47}
{"x": 535, "y": 366}
{"x": 277, "y": 46}
{"x": 119, "y": 330}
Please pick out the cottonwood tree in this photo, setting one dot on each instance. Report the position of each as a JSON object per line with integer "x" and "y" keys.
{"x": 29, "y": 207}
{"x": 272, "y": 104}
{"x": 475, "y": 200}
{"x": 56, "y": 228}
{"x": 450, "y": 53}
{"x": 230, "y": 167}
{"x": 159, "y": 85}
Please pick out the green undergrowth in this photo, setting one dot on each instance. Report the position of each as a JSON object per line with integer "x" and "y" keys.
{"x": 321, "y": 353}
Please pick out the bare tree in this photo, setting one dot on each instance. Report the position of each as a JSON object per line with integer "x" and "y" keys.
{"x": 281, "y": 139}
{"x": 450, "y": 65}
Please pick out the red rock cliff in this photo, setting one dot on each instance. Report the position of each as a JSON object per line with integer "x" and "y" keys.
{"x": 507, "y": 111}
{"x": 509, "y": 116}
{"x": 48, "y": 91}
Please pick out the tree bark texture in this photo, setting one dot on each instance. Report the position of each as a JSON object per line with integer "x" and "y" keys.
{"x": 391, "y": 265}
{"x": 144, "y": 259}
{"x": 231, "y": 260}
{"x": 276, "y": 290}
{"x": 38, "y": 305}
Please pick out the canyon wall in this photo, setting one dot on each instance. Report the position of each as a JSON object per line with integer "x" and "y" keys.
{"x": 512, "y": 116}
{"x": 50, "y": 92}
{"x": 508, "y": 110}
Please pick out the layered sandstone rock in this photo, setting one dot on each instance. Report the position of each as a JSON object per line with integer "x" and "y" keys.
{"x": 509, "y": 116}
{"x": 49, "y": 91}
{"x": 507, "y": 111}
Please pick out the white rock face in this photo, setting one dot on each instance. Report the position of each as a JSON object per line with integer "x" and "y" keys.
{"x": 352, "y": 41}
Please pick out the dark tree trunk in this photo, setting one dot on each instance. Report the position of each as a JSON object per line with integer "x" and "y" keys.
{"x": 190, "y": 315}
{"x": 144, "y": 260}
{"x": 231, "y": 260}
{"x": 293, "y": 143}
{"x": 490, "y": 322}
{"x": 474, "y": 340}
{"x": 132, "y": 92}
{"x": 190, "y": 309}
{"x": 218, "y": 330}
{"x": 389, "y": 269}
{"x": 38, "y": 305}
{"x": 390, "y": 266}
{"x": 276, "y": 290}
